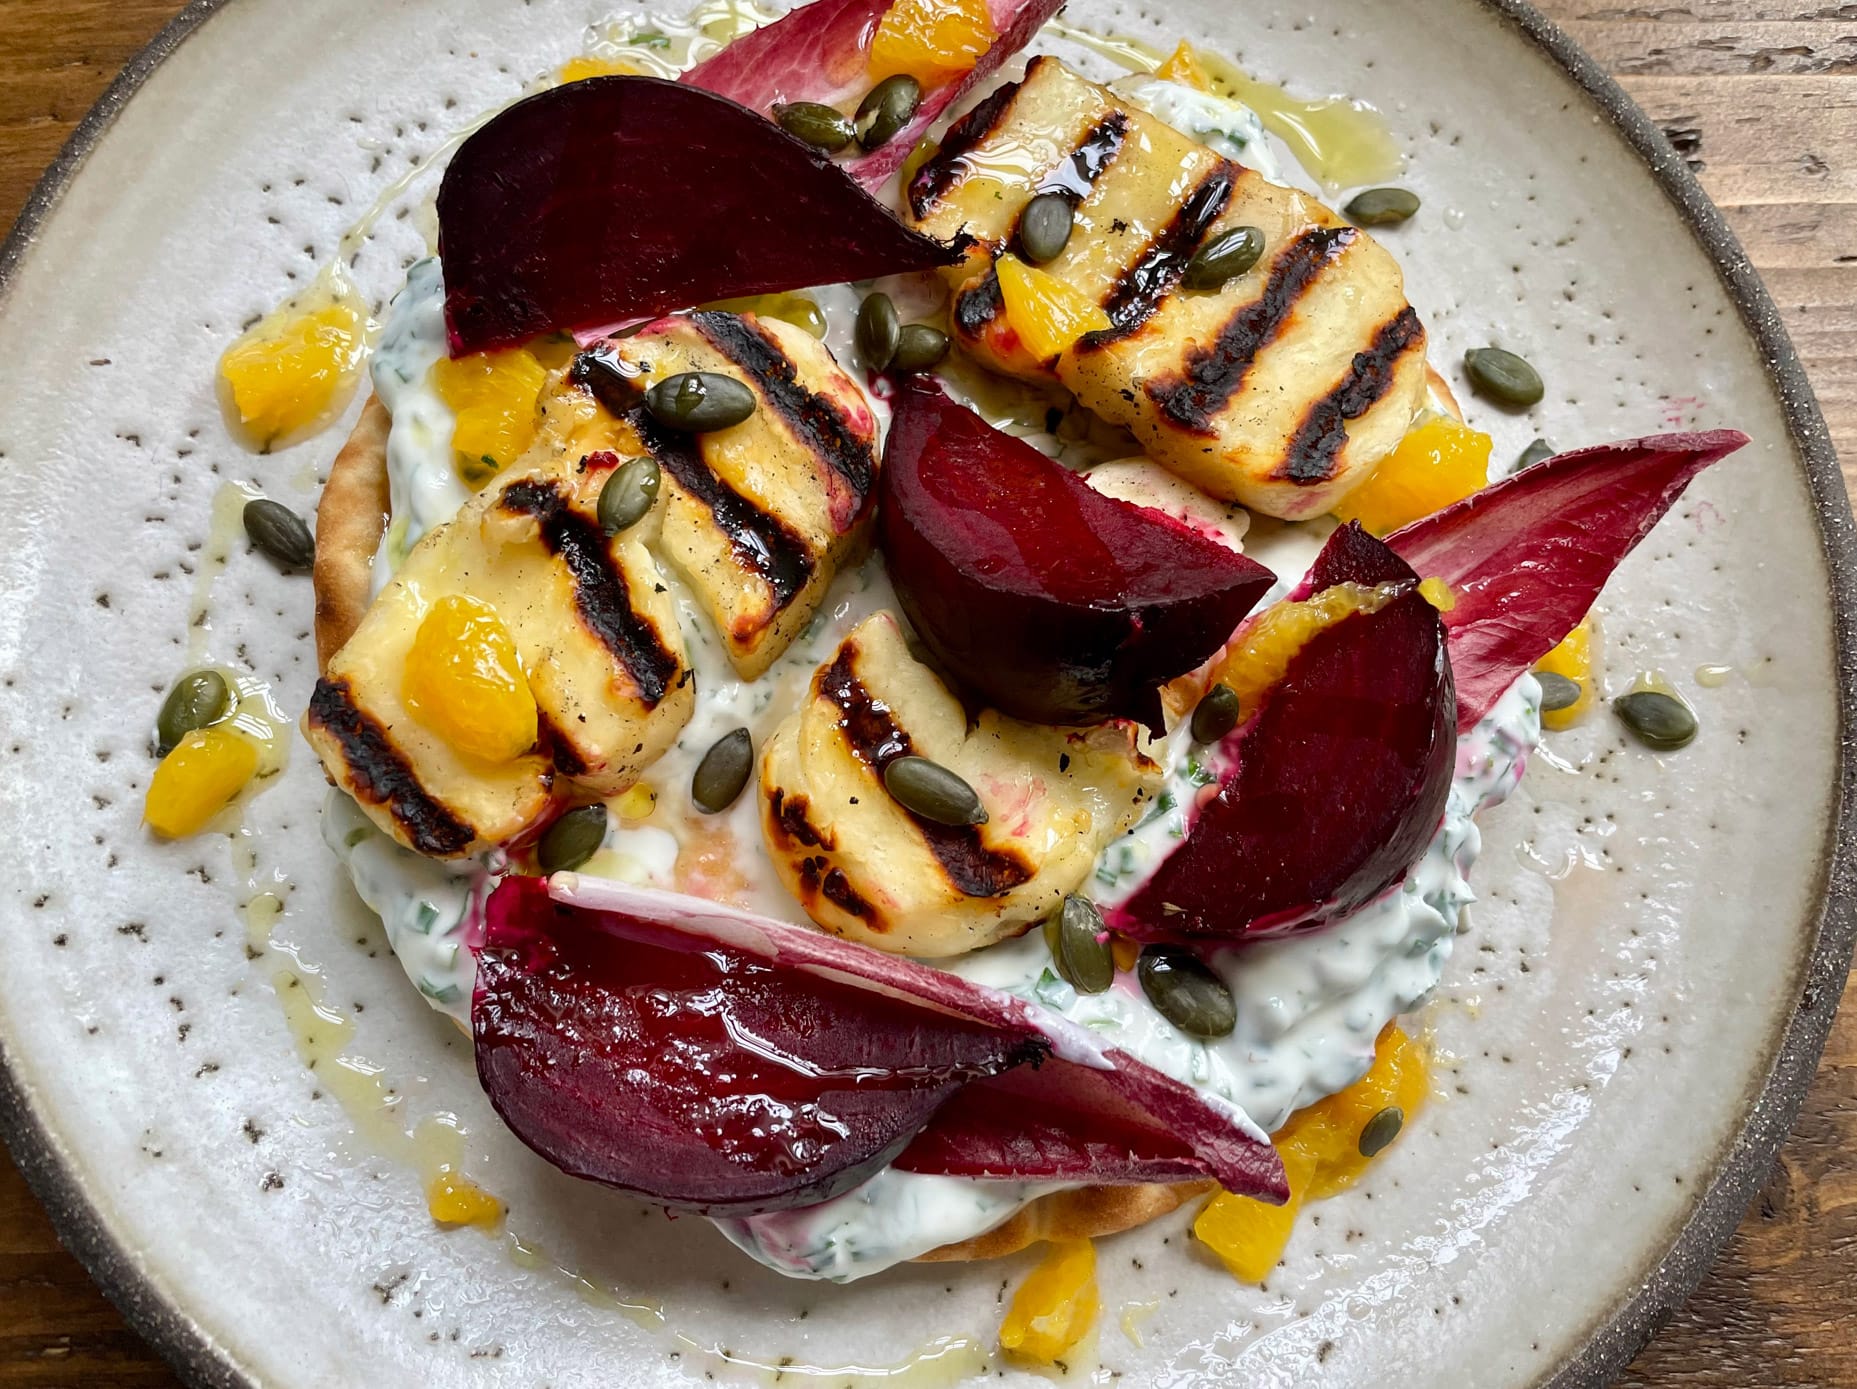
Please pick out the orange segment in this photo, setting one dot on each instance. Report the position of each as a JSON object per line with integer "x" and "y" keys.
{"x": 1575, "y": 659}
{"x": 1328, "y": 1133}
{"x": 934, "y": 41}
{"x": 1438, "y": 463}
{"x": 1264, "y": 648}
{"x": 1055, "y": 1306}
{"x": 1249, "y": 1235}
{"x": 1183, "y": 66}
{"x": 493, "y": 395}
{"x": 198, "y": 779}
{"x": 285, "y": 376}
{"x": 588, "y": 65}
{"x": 1047, "y": 314}
{"x": 455, "y": 1200}
{"x": 464, "y": 681}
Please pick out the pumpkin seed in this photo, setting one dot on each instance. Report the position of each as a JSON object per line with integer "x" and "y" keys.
{"x": 1503, "y": 377}
{"x": 1045, "y": 226}
{"x": 1186, "y": 992}
{"x": 1557, "y": 691}
{"x": 1538, "y": 452}
{"x": 1227, "y": 256}
{"x": 877, "y": 331}
{"x": 931, "y": 791}
{"x": 1381, "y": 1130}
{"x": 918, "y": 347}
{"x": 572, "y": 840}
{"x": 1382, "y": 207}
{"x": 723, "y": 772}
{"x": 821, "y": 126}
{"x": 629, "y": 494}
{"x": 280, "y": 534}
{"x": 1659, "y": 720}
{"x": 1215, "y": 715}
{"x": 886, "y": 109}
{"x": 1079, "y": 949}
{"x": 199, "y": 699}
{"x": 699, "y": 402}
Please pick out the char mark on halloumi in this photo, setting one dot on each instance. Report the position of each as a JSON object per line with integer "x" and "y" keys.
{"x": 1315, "y": 446}
{"x": 1155, "y": 273}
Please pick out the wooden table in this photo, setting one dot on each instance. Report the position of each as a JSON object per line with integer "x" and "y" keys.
{"x": 1764, "y": 103}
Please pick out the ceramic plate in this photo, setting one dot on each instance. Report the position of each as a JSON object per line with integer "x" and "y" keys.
{"x": 1624, "y": 1032}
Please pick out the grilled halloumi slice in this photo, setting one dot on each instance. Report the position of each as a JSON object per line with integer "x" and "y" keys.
{"x": 760, "y": 516}
{"x": 1281, "y": 390}
{"x": 595, "y": 629}
{"x": 865, "y": 868}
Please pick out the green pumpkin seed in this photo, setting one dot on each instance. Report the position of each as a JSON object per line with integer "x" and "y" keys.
{"x": 572, "y": 840}
{"x": 1215, "y": 715}
{"x": 1503, "y": 377}
{"x": 1659, "y": 720}
{"x": 931, "y": 791}
{"x": 1557, "y": 691}
{"x": 886, "y": 109}
{"x": 699, "y": 402}
{"x": 1538, "y": 452}
{"x": 1186, "y": 992}
{"x": 280, "y": 534}
{"x": 199, "y": 699}
{"x": 821, "y": 126}
{"x": 1079, "y": 951}
{"x": 1045, "y": 226}
{"x": 878, "y": 331}
{"x": 1381, "y": 1130}
{"x": 918, "y": 347}
{"x": 723, "y": 772}
{"x": 1224, "y": 258}
{"x": 1382, "y": 207}
{"x": 629, "y": 494}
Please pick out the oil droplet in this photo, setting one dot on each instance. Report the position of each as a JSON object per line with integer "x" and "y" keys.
{"x": 225, "y": 525}
{"x": 664, "y": 47}
{"x": 1135, "y": 1315}
{"x": 1713, "y": 677}
{"x": 290, "y": 374}
{"x": 261, "y": 914}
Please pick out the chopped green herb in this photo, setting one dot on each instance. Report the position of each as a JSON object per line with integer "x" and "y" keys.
{"x": 650, "y": 38}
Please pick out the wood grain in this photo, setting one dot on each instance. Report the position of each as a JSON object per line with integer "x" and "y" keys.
{"x": 1763, "y": 99}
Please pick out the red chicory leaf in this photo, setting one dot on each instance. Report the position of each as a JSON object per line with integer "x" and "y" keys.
{"x": 1527, "y": 556}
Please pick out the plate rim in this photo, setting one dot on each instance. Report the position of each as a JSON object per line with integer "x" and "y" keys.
{"x": 1740, "y": 1170}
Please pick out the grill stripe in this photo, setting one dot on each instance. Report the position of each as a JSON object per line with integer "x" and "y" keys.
{"x": 382, "y": 775}
{"x": 938, "y": 173}
{"x": 814, "y": 419}
{"x": 973, "y": 868}
{"x": 1077, "y": 173}
{"x": 979, "y": 305}
{"x": 1215, "y": 374}
{"x": 1317, "y": 443}
{"x": 1152, "y": 276}
{"x": 601, "y": 595}
{"x": 760, "y": 541}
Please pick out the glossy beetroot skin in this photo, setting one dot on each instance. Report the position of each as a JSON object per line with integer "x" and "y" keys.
{"x": 1333, "y": 785}
{"x": 713, "y": 1061}
{"x": 1526, "y": 557}
{"x": 626, "y": 197}
{"x": 1049, "y": 600}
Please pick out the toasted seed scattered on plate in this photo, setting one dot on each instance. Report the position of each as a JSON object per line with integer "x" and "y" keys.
{"x": 1215, "y": 715}
{"x": 199, "y": 699}
{"x": 821, "y": 126}
{"x": 628, "y": 494}
{"x": 723, "y": 772}
{"x": 1659, "y": 720}
{"x": 877, "y": 331}
{"x": 1538, "y": 452}
{"x": 1381, "y": 1130}
{"x": 279, "y": 533}
{"x": 699, "y": 402}
{"x": 886, "y": 109}
{"x": 918, "y": 347}
{"x": 1382, "y": 207}
{"x": 1186, "y": 992}
{"x": 1557, "y": 691}
{"x": 572, "y": 840}
{"x": 1079, "y": 950}
{"x": 1227, "y": 256}
{"x": 1045, "y": 227}
{"x": 930, "y": 790}
{"x": 1503, "y": 377}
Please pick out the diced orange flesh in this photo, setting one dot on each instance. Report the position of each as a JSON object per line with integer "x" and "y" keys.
{"x": 1438, "y": 463}
{"x": 1183, "y": 66}
{"x": 1573, "y": 658}
{"x": 1047, "y": 314}
{"x": 493, "y": 395}
{"x": 1265, "y": 646}
{"x": 285, "y": 377}
{"x": 455, "y": 1200}
{"x": 1438, "y": 593}
{"x": 1055, "y": 1306}
{"x": 1249, "y": 1235}
{"x": 197, "y": 780}
{"x": 464, "y": 681}
{"x": 589, "y": 65}
{"x": 1126, "y": 953}
{"x": 1328, "y": 1132}
{"x": 934, "y": 41}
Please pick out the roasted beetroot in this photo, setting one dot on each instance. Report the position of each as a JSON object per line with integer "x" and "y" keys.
{"x": 714, "y": 1061}
{"x": 627, "y": 197}
{"x": 1048, "y": 599}
{"x": 1332, "y": 785}
{"x": 1527, "y": 556}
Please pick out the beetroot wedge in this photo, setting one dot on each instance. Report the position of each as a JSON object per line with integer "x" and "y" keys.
{"x": 1527, "y": 556}
{"x": 820, "y": 52}
{"x": 1050, "y": 600}
{"x": 713, "y": 1061}
{"x": 626, "y": 197}
{"x": 1332, "y": 786}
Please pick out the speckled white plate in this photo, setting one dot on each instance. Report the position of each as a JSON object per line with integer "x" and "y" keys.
{"x": 1627, "y": 1026}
